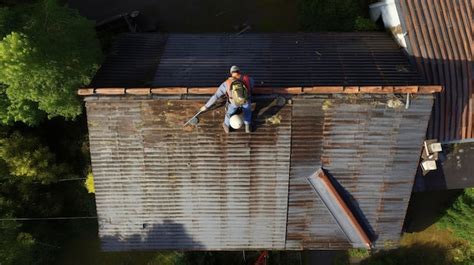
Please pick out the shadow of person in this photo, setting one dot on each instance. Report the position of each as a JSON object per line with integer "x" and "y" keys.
{"x": 265, "y": 109}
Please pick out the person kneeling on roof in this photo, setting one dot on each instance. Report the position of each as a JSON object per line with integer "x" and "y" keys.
{"x": 238, "y": 89}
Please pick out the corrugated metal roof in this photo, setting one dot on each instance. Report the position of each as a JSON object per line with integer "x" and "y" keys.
{"x": 132, "y": 61}
{"x": 282, "y": 60}
{"x": 370, "y": 149}
{"x": 439, "y": 34}
{"x": 161, "y": 186}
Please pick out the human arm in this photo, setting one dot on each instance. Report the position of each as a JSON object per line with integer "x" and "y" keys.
{"x": 221, "y": 91}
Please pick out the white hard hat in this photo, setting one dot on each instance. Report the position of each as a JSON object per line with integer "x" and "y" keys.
{"x": 236, "y": 122}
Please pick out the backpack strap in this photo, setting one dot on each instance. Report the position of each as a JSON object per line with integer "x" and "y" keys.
{"x": 246, "y": 81}
{"x": 228, "y": 84}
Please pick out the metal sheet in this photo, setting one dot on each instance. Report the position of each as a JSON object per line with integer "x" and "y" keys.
{"x": 162, "y": 186}
{"x": 281, "y": 60}
{"x": 132, "y": 61}
{"x": 285, "y": 60}
{"x": 159, "y": 186}
{"x": 440, "y": 39}
{"x": 339, "y": 210}
{"x": 370, "y": 149}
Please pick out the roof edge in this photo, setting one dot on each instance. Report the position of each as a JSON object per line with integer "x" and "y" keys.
{"x": 413, "y": 89}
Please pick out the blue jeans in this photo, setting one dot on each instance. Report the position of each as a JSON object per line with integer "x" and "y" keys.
{"x": 232, "y": 109}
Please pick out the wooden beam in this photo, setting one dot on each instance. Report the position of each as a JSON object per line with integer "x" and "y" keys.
{"x": 138, "y": 91}
{"x": 169, "y": 90}
{"x": 110, "y": 91}
{"x": 85, "y": 91}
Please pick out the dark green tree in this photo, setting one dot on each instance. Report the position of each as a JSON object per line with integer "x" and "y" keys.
{"x": 47, "y": 52}
{"x": 15, "y": 246}
{"x": 27, "y": 160}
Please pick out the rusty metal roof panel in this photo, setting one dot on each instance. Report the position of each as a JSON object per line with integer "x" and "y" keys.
{"x": 372, "y": 152}
{"x": 273, "y": 59}
{"x": 162, "y": 186}
{"x": 439, "y": 37}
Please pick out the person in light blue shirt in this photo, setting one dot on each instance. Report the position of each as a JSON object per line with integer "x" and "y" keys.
{"x": 238, "y": 97}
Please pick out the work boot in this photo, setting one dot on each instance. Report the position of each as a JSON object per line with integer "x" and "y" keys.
{"x": 226, "y": 128}
{"x": 247, "y": 128}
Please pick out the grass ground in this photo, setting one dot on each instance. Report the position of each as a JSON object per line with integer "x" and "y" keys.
{"x": 439, "y": 232}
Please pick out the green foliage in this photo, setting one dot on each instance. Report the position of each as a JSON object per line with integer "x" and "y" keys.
{"x": 459, "y": 218}
{"x": 48, "y": 52}
{"x": 322, "y": 15}
{"x": 364, "y": 24}
{"x": 449, "y": 241}
{"x": 168, "y": 258}
{"x": 15, "y": 246}
{"x": 417, "y": 254}
{"x": 89, "y": 183}
{"x": 27, "y": 160}
{"x": 433, "y": 246}
{"x": 358, "y": 253}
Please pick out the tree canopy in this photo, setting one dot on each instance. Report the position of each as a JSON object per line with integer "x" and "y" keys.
{"x": 26, "y": 160}
{"x": 28, "y": 169}
{"x": 47, "y": 51}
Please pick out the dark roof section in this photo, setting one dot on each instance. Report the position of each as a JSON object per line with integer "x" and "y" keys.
{"x": 162, "y": 186}
{"x": 132, "y": 61}
{"x": 454, "y": 171}
{"x": 274, "y": 60}
{"x": 440, "y": 39}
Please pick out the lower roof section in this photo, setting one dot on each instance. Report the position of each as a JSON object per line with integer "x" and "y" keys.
{"x": 160, "y": 185}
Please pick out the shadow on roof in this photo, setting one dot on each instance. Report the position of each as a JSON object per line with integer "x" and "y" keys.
{"x": 163, "y": 236}
{"x": 353, "y": 206}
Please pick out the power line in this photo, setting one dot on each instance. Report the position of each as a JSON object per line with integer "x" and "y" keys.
{"x": 62, "y": 180}
{"x": 48, "y": 218}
